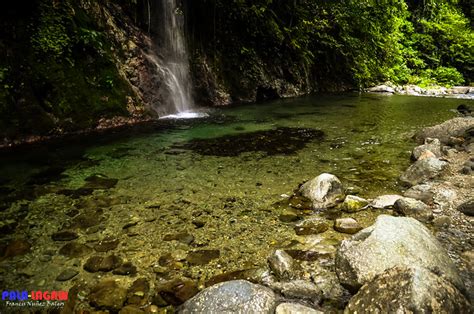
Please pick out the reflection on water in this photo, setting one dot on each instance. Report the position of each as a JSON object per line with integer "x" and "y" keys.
{"x": 197, "y": 197}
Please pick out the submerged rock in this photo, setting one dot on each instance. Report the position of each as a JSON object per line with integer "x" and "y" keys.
{"x": 202, "y": 257}
{"x": 413, "y": 208}
{"x": 67, "y": 274}
{"x": 390, "y": 242}
{"x": 422, "y": 171}
{"x": 75, "y": 249}
{"x": 17, "y": 247}
{"x": 324, "y": 191}
{"x": 312, "y": 225}
{"x": 354, "y": 203}
{"x": 65, "y": 235}
{"x": 108, "y": 295}
{"x": 238, "y": 296}
{"x": 347, "y": 225}
{"x": 280, "y": 141}
{"x": 408, "y": 290}
{"x": 99, "y": 181}
{"x": 176, "y": 291}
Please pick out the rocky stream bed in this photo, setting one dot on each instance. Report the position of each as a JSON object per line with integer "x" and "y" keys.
{"x": 339, "y": 251}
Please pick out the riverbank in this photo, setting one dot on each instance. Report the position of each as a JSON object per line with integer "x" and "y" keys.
{"x": 461, "y": 92}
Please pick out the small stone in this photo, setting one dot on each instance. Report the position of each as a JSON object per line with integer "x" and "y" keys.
{"x": 281, "y": 264}
{"x": 106, "y": 245}
{"x": 354, "y": 203}
{"x": 108, "y": 295}
{"x": 300, "y": 289}
{"x": 17, "y": 247}
{"x": 176, "y": 291}
{"x": 99, "y": 181}
{"x": 295, "y": 308}
{"x": 347, "y": 225}
{"x": 138, "y": 292}
{"x": 126, "y": 269}
{"x": 467, "y": 207}
{"x": 74, "y": 249}
{"x": 67, "y": 274}
{"x": 442, "y": 221}
{"x": 288, "y": 216}
{"x": 182, "y": 237}
{"x": 92, "y": 265}
{"x": 198, "y": 223}
{"x": 109, "y": 263}
{"x": 421, "y": 192}
{"x": 202, "y": 257}
{"x": 131, "y": 309}
{"x": 65, "y": 235}
{"x": 312, "y": 225}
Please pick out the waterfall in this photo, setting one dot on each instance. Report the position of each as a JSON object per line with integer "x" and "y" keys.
{"x": 175, "y": 62}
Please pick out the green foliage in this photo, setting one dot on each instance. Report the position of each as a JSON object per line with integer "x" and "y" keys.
{"x": 363, "y": 42}
{"x": 52, "y": 37}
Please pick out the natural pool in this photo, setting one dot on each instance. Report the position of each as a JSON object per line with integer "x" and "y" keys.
{"x": 201, "y": 197}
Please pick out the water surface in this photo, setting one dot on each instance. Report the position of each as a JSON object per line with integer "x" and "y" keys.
{"x": 197, "y": 197}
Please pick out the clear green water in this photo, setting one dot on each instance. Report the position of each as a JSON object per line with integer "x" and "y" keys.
{"x": 225, "y": 203}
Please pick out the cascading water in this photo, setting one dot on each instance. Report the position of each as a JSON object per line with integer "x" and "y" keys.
{"x": 174, "y": 66}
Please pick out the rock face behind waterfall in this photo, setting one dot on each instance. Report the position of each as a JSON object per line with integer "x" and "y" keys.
{"x": 324, "y": 191}
{"x": 391, "y": 242}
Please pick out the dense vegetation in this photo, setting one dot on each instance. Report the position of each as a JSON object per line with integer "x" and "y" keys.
{"x": 59, "y": 69}
{"x": 359, "y": 42}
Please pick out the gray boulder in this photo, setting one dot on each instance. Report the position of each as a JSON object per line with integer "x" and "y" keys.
{"x": 236, "y": 296}
{"x": 324, "y": 191}
{"x": 413, "y": 208}
{"x": 431, "y": 144}
{"x": 408, "y": 290}
{"x": 422, "y": 171}
{"x": 455, "y": 127}
{"x": 390, "y": 242}
{"x": 421, "y": 192}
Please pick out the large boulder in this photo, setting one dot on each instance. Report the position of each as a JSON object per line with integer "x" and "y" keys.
{"x": 408, "y": 290}
{"x": 422, "y": 170}
{"x": 390, "y": 242}
{"x": 431, "y": 144}
{"x": 456, "y": 127}
{"x": 236, "y": 296}
{"x": 324, "y": 191}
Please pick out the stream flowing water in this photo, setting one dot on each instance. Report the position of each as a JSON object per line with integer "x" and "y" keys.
{"x": 200, "y": 197}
